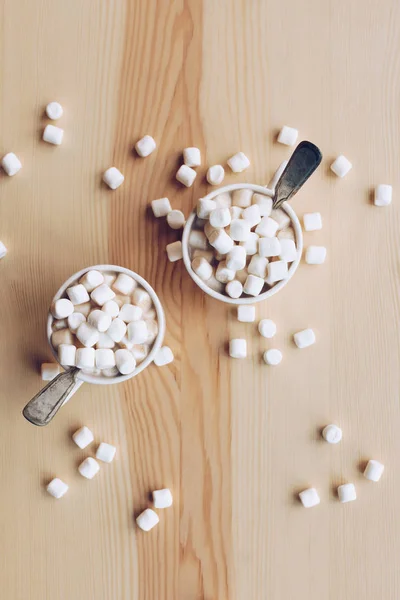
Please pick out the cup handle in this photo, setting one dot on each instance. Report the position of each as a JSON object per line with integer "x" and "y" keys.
{"x": 45, "y": 405}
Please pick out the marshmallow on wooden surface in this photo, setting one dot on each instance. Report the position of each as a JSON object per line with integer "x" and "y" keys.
{"x": 111, "y": 308}
{"x": 174, "y": 251}
{"x": 341, "y": 166}
{"x": 267, "y": 227}
{"x": 105, "y": 341}
{"x": 3, "y": 250}
{"x": 236, "y": 258}
{"x": 242, "y": 197}
{"x": 277, "y": 271}
{"x": 130, "y": 312}
{"x": 78, "y": 294}
{"x": 192, "y": 157}
{"x": 220, "y": 217}
{"x": 251, "y": 244}
{"x": 269, "y": 246}
{"x": 11, "y": 164}
{"x": 315, "y": 255}
{"x": 332, "y": 434}
{"x": 309, "y": 498}
{"x": 223, "y": 200}
{"x": 221, "y": 241}
{"x": 125, "y": 361}
{"x": 113, "y": 178}
{"x": 186, "y": 175}
{"x": 142, "y": 299}
{"x": 89, "y": 468}
{"x": 383, "y": 195}
{"x": 264, "y": 204}
{"x": 204, "y": 208}
{"x": 54, "y": 111}
{"x": 62, "y": 308}
{"x": 304, "y": 338}
{"x": 102, "y": 294}
{"x": 75, "y": 320}
{"x": 288, "y": 251}
{"x": 83, "y": 437}
{"x": 223, "y": 274}
{"x": 106, "y": 452}
{"x": 198, "y": 239}
{"x": 117, "y": 330}
{"x": 373, "y": 470}
{"x": 161, "y": 207}
{"x": 162, "y": 498}
{"x": 138, "y": 332}
{"x": 215, "y": 174}
{"x": 163, "y": 357}
{"x": 312, "y": 221}
{"x": 62, "y": 336}
{"x": 272, "y": 357}
{"x": 53, "y": 135}
{"x": 238, "y": 162}
{"x": 87, "y": 335}
{"x": 57, "y": 488}
{"x": 253, "y": 285}
{"x": 288, "y": 136}
{"x": 104, "y": 358}
{"x": 99, "y": 320}
{"x": 258, "y": 266}
{"x": 176, "y": 219}
{"x": 84, "y": 309}
{"x": 238, "y": 348}
{"x": 234, "y": 289}
{"x": 246, "y": 313}
{"x": 281, "y": 217}
{"x": 139, "y": 352}
{"x": 91, "y": 280}
{"x": 239, "y": 230}
{"x": 85, "y": 358}
{"x": 147, "y": 519}
{"x": 347, "y": 492}
{"x": 208, "y": 255}
{"x": 276, "y": 177}
{"x": 202, "y": 268}
{"x": 124, "y": 284}
{"x": 49, "y": 371}
{"x": 267, "y": 328}
{"x": 252, "y": 215}
{"x": 145, "y": 146}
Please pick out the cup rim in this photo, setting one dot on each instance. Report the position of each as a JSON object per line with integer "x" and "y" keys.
{"x": 276, "y": 288}
{"x": 160, "y": 318}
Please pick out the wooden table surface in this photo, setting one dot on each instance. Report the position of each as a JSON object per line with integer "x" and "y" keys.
{"x": 234, "y": 440}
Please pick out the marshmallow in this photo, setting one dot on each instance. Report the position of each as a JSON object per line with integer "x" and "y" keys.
{"x": 269, "y": 246}
{"x": 253, "y": 285}
{"x": 11, "y": 164}
{"x": 258, "y": 266}
{"x": 3, "y": 250}
{"x": 125, "y": 361}
{"x": 113, "y": 178}
{"x": 105, "y": 341}
{"x": 84, "y": 309}
{"x": 126, "y": 344}
{"x": 304, "y": 338}
{"x": 383, "y": 195}
{"x": 87, "y": 335}
{"x": 163, "y": 357}
{"x": 205, "y": 207}
{"x": 54, "y": 111}
{"x": 238, "y": 162}
{"x": 162, "y": 498}
{"x": 59, "y": 324}
{"x": 83, "y": 437}
{"x": 341, "y": 166}
{"x": 140, "y": 352}
{"x": 62, "y": 308}
{"x": 85, "y": 358}
{"x": 75, "y": 320}
{"x": 281, "y": 217}
{"x": 92, "y": 279}
{"x": 102, "y": 294}
{"x": 286, "y": 234}
{"x": 57, "y": 488}
{"x": 186, "y": 175}
{"x": 151, "y": 314}
{"x": 109, "y": 279}
{"x": 220, "y": 217}
{"x": 129, "y": 313}
{"x": 272, "y": 357}
{"x": 347, "y": 492}
{"x": 78, "y": 294}
{"x": 111, "y": 308}
{"x": 239, "y": 230}
{"x": 89, "y": 468}
{"x": 236, "y": 258}
{"x": 221, "y": 241}
{"x": 124, "y": 284}
{"x": 267, "y": 227}
{"x": 246, "y": 313}
{"x": 202, "y": 268}
{"x": 176, "y": 219}
{"x": 174, "y": 251}
{"x": 104, "y": 358}
{"x": 49, "y": 371}
{"x": 332, "y": 434}
{"x": 223, "y": 200}
{"x": 208, "y": 255}
{"x": 138, "y": 332}
{"x": 121, "y": 300}
{"x": 215, "y": 175}
{"x": 198, "y": 239}
{"x": 267, "y": 328}
{"x": 234, "y": 289}
{"x": 288, "y": 251}
{"x": 242, "y": 198}
{"x": 161, "y": 207}
{"x": 105, "y": 452}
{"x": 147, "y": 520}
{"x": 276, "y": 176}
{"x": 152, "y": 330}
{"x": 53, "y": 135}
{"x": 145, "y": 146}
{"x": 288, "y": 136}
{"x": 99, "y": 320}
{"x": 223, "y": 274}
{"x": 117, "y": 330}
{"x": 242, "y": 275}
{"x": 309, "y": 498}
{"x": 312, "y": 221}
{"x": 277, "y": 271}
{"x": 373, "y": 470}
{"x": 113, "y": 372}
{"x": 142, "y": 299}
{"x": 238, "y": 348}
{"x": 63, "y": 336}
{"x": 315, "y": 255}
{"x": 215, "y": 285}
{"x": 192, "y": 157}
{"x": 264, "y": 204}
{"x": 236, "y": 212}
{"x": 251, "y": 244}
{"x": 252, "y": 215}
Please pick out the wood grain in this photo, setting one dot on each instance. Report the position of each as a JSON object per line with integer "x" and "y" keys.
{"x": 235, "y": 440}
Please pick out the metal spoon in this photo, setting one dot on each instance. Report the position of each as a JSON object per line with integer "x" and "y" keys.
{"x": 42, "y": 408}
{"x": 303, "y": 162}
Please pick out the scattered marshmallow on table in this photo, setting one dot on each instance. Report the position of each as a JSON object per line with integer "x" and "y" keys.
{"x": 239, "y": 230}
{"x": 57, "y": 488}
{"x": 192, "y": 157}
{"x": 62, "y": 336}
{"x": 78, "y": 294}
{"x": 174, "y": 251}
{"x": 383, "y": 195}
{"x": 347, "y": 492}
{"x": 130, "y": 312}
{"x": 163, "y": 357}
{"x": 104, "y": 358}
{"x": 3, "y": 250}
{"x": 11, "y": 164}
{"x": 49, "y": 371}
{"x": 215, "y": 174}
{"x": 67, "y": 355}
{"x": 238, "y": 348}
{"x": 145, "y": 146}
{"x": 272, "y": 357}
{"x": 204, "y": 207}
{"x": 102, "y": 294}
{"x": 253, "y": 285}
{"x": 277, "y": 271}
{"x": 258, "y": 266}
{"x": 373, "y": 471}
{"x": 91, "y": 280}
{"x": 138, "y": 332}
{"x": 147, "y": 519}
{"x": 106, "y": 452}
{"x": 221, "y": 241}
{"x": 252, "y": 215}
{"x": 246, "y": 313}
{"x": 186, "y": 175}
{"x": 202, "y": 268}
{"x": 288, "y": 251}
{"x": 312, "y": 221}
{"x": 87, "y": 335}
{"x": 267, "y": 227}
{"x": 276, "y": 177}
{"x": 53, "y": 135}
{"x": 341, "y": 166}
{"x": 309, "y": 498}
{"x": 89, "y": 468}
{"x": 236, "y": 258}
{"x": 161, "y": 207}
{"x": 304, "y": 338}
{"x": 332, "y": 434}
{"x": 315, "y": 255}
{"x": 62, "y": 308}
{"x": 238, "y": 162}
{"x": 264, "y": 204}
{"x": 162, "y": 498}
{"x": 113, "y": 178}
{"x": 269, "y": 247}
{"x": 54, "y": 110}
{"x": 83, "y": 437}
{"x": 125, "y": 361}
{"x": 85, "y": 358}
{"x": 176, "y": 219}
{"x": 234, "y": 289}
{"x": 242, "y": 197}
{"x": 267, "y": 328}
{"x": 288, "y": 136}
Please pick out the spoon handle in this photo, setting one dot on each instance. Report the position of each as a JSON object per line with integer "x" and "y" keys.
{"x": 303, "y": 162}
{"x": 42, "y": 408}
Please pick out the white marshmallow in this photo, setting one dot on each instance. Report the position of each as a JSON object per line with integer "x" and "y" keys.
{"x": 3, "y": 250}
{"x": 92, "y": 279}
{"x": 83, "y": 437}
{"x": 198, "y": 239}
{"x": 251, "y": 244}
{"x": 192, "y": 157}
{"x": 117, "y": 330}
{"x": 87, "y": 335}
{"x": 162, "y": 498}
{"x": 152, "y": 331}
{"x": 49, "y": 371}
{"x": 204, "y": 207}
{"x": 288, "y": 136}
{"x": 63, "y": 336}
{"x": 373, "y": 470}
{"x": 104, "y": 358}
{"x": 236, "y": 258}
{"x": 208, "y": 255}
{"x": 147, "y": 520}
{"x": 78, "y": 294}
{"x": 145, "y": 146}
{"x": 215, "y": 174}
{"x": 161, "y": 207}
{"x": 253, "y": 285}
{"x": 163, "y": 357}
{"x": 304, "y": 338}
{"x": 174, "y": 251}
{"x": 99, "y": 320}
{"x": 129, "y": 313}
{"x": 288, "y": 251}
{"x": 315, "y": 255}
{"x": 84, "y": 309}
{"x": 272, "y": 357}
{"x": 347, "y": 492}
{"x": 151, "y": 314}
{"x": 281, "y": 217}
{"x": 59, "y": 324}
{"x": 62, "y": 308}
{"x": 113, "y": 372}
{"x": 75, "y": 320}
{"x": 267, "y": 328}
{"x": 223, "y": 200}
{"x": 221, "y": 241}
{"x": 246, "y": 313}
{"x": 109, "y": 279}
{"x": 105, "y": 452}
{"x": 383, "y": 195}
{"x": 341, "y": 166}
{"x": 53, "y": 135}
{"x": 309, "y": 498}
{"x": 234, "y": 289}
{"x": 332, "y": 434}
{"x": 264, "y": 204}
{"x": 111, "y": 308}
{"x": 242, "y": 197}
{"x": 102, "y": 294}
{"x": 239, "y": 230}
{"x": 142, "y": 299}
{"x": 267, "y": 227}
{"x": 236, "y": 212}
{"x": 186, "y": 175}
{"x": 223, "y": 274}
{"x": 277, "y": 271}
{"x": 138, "y": 332}
{"x": 57, "y": 488}
{"x": 202, "y": 268}
{"x": 113, "y": 178}
{"x": 220, "y": 217}
{"x": 89, "y": 468}
{"x": 312, "y": 221}
{"x": 54, "y": 111}
{"x": 215, "y": 285}
{"x": 238, "y": 348}
{"x": 125, "y": 361}
{"x": 11, "y": 164}
{"x": 276, "y": 177}
{"x": 121, "y": 300}
{"x": 252, "y": 215}
{"x": 125, "y": 344}
{"x": 176, "y": 219}
{"x": 124, "y": 284}
{"x": 238, "y": 162}
{"x": 105, "y": 341}
{"x": 258, "y": 266}
{"x": 269, "y": 247}
{"x": 286, "y": 234}
{"x": 85, "y": 358}
{"x": 140, "y": 352}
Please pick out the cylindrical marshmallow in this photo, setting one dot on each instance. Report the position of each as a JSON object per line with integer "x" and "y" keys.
{"x": 347, "y": 492}
{"x": 89, "y": 467}
{"x": 197, "y": 239}
{"x": 102, "y": 294}
{"x": 142, "y": 299}
{"x": 304, "y": 338}
{"x": 251, "y": 244}
{"x": 57, "y": 488}
{"x": 117, "y": 330}
{"x": 11, "y": 164}
{"x": 105, "y": 341}
{"x": 258, "y": 266}
{"x": 174, "y": 251}
{"x": 236, "y": 212}
{"x": 223, "y": 200}
{"x": 288, "y": 251}
{"x": 220, "y": 217}
{"x": 124, "y": 284}
{"x": 59, "y": 324}
{"x": 252, "y": 215}
{"x": 129, "y": 313}
{"x": 62, "y": 308}
{"x": 192, "y": 157}
{"x": 253, "y": 285}
{"x": 267, "y": 328}
{"x": 242, "y": 197}
{"x": 67, "y": 355}
{"x": 332, "y": 434}
{"x": 84, "y": 309}
{"x": 105, "y": 452}
{"x": 383, "y": 195}
{"x": 246, "y": 313}
{"x": 92, "y": 279}
{"x": 373, "y": 470}
{"x": 53, "y": 135}
{"x": 85, "y": 358}
{"x": 204, "y": 207}
{"x": 111, "y": 308}
{"x": 87, "y": 335}
{"x": 63, "y": 336}
{"x": 239, "y": 230}
{"x": 221, "y": 241}
{"x": 267, "y": 227}
{"x": 75, "y": 320}
{"x": 162, "y": 498}
{"x": 147, "y": 519}
{"x": 234, "y": 289}
{"x": 49, "y": 371}
{"x": 163, "y": 357}
{"x": 140, "y": 352}
{"x": 78, "y": 294}
{"x": 104, "y": 358}
{"x": 238, "y": 348}
{"x": 152, "y": 330}
{"x": 145, "y": 146}
{"x": 83, "y": 437}
{"x": 236, "y": 258}
{"x": 161, "y": 207}
{"x": 54, "y": 111}
{"x": 269, "y": 246}
{"x": 125, "y": 362}
{"x": 272, "y": 357}
{"x": 341, "y": 166}
{"x": 176, "y": 219}
{"x": 3, "y": 250}
{"x": 223, "y": 274}
{"x": 215, "y": 174}
{"x": 309, "y": 498}
{"x": 186, "y": 175}
{"x": 113, "y": 178}
{"x": 202, "y": 268}
{"x": 288, "y": 136}
{"x": 238, "y": 162}
{"x": 138, "y": 332}
{"x": 99, "y": 320}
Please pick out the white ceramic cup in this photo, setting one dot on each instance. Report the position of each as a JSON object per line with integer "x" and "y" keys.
{"x": 295, "y": 223}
